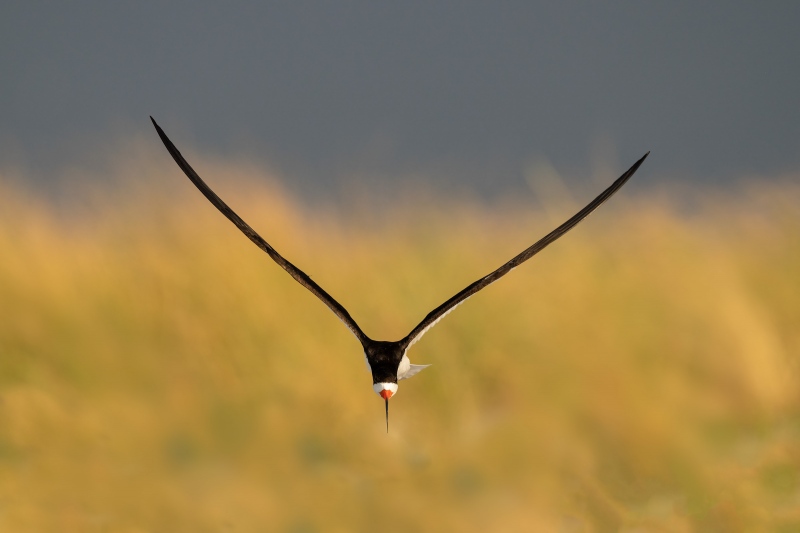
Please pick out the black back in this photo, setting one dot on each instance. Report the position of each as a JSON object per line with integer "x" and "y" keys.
{"x": 384, "y": 358}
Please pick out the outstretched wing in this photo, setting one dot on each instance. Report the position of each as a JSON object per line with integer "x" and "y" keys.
{"x": 293, "y": 271}
{"x": 440, "y": 312}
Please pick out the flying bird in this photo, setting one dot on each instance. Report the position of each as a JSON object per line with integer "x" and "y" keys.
{"x": 387, "y": 360}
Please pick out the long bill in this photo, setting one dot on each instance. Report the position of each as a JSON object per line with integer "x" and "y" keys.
{"x": 387, "y": 414}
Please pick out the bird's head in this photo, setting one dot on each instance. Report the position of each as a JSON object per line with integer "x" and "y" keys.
{"x": 385, "y": 390}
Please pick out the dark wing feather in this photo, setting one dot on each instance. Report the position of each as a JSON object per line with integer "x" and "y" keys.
{"x": 438, "y": 313}
{"x": 293, "y": 271}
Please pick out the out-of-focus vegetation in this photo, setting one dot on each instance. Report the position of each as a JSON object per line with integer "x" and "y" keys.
{"x": 159, "y": 373}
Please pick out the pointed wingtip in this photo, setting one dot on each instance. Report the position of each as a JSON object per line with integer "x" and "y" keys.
{"x": 630, "y": 172}
{"x": 176, "y": 155}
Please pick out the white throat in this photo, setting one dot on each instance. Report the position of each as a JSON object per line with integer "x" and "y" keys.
{"x": 378, "y": 387}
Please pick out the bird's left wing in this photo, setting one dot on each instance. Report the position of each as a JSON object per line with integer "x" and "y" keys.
{"x": 251, "y": 234}
{"x": 437, "y": 314}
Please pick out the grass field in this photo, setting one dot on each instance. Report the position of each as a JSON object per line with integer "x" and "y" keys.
{"x": 158, "y": 373}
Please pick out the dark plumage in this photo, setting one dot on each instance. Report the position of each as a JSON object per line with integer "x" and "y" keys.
{"x": 387, "y": 359}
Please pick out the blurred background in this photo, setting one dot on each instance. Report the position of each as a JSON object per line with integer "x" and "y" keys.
{"x": 159, "y": 373}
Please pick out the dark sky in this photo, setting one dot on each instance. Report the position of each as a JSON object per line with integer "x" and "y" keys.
{"x": 460, "y": 92}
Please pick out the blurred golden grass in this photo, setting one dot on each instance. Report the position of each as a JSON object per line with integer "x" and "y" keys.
{"x": 160, "y": 373}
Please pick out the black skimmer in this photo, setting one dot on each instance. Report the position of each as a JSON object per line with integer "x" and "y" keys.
{"x": 387, "y": 360}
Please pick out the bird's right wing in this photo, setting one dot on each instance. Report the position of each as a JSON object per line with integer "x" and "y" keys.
{"x": 437, "y": 314}
{"x": 251, "y": 234}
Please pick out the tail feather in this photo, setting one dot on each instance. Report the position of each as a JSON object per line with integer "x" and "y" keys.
{"x": 413, "y": 370}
